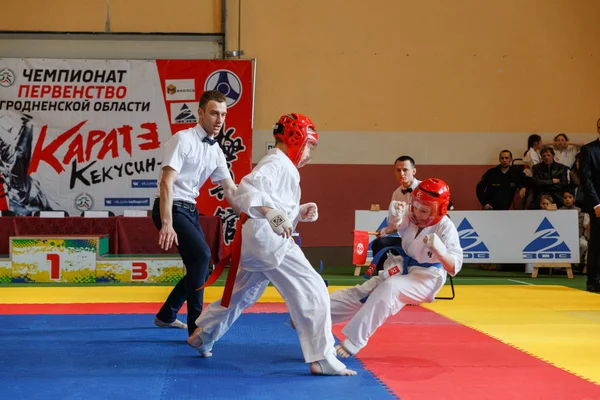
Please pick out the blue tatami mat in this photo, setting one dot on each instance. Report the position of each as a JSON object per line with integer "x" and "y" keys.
{"x": 126, "y": 357}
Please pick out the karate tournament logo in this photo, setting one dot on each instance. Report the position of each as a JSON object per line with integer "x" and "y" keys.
{"x": 7, "y": 77}
{"x": 547, "y": 244}
{"x": 360, "y": 249}
{"x": 84, "y": 202}
{"x": 471, "y": 243}
{"x": 227, "y": 83}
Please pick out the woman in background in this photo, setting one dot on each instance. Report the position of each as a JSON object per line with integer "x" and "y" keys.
{"x": 532, "y": 155}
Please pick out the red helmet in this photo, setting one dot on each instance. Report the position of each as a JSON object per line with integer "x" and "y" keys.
{"x": 433, "y": 193}
{"x": 296, "y": 131}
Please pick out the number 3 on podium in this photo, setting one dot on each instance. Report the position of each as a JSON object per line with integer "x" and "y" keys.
{"x": 54, "y": 266}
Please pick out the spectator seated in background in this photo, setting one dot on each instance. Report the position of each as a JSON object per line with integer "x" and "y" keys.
{"x": 531, "y": 156}
{"x": 583, "y": 223}
{"x": 496, "y": 189}
{"x": 565, "y": 152}
{"x": 549, "y": 177}
{"x": 547, "y": 202}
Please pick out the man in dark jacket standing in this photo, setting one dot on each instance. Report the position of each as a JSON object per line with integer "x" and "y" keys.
{"x": 589, "y": 157}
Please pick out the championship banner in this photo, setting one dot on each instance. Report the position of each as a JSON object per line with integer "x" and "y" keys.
{"x": 78, "y": 135}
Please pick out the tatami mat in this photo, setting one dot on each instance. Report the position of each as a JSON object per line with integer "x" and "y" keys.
{"x": 554, "y": 323}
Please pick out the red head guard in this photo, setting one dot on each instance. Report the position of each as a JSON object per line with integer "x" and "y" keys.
{"x": 432, "y": 193}
{"x": 296, "y": 131}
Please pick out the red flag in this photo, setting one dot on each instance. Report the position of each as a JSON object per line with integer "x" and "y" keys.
{"x": 361, "y": 244}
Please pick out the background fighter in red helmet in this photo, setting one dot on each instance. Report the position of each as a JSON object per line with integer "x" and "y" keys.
{"x": 270, "y": 197}
{"x": 430, "y": 251}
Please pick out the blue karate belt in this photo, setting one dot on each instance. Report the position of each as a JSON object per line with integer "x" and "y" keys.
{"x": 408, "y": 261}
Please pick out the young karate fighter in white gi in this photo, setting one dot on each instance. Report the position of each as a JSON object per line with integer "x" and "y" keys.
{"x": 270, "y": 196}
{"x": 431, "y": 250}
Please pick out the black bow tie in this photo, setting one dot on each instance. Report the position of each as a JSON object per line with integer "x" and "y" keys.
{"x": 409, "y": 190}
{"x": 209, "y": 140}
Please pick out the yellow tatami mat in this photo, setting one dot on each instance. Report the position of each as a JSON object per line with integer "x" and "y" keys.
{"x": 557, "y": 324}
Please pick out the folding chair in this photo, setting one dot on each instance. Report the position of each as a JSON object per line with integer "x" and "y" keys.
{"x": 451, "y": 287}
{"x": 519, "y": 164}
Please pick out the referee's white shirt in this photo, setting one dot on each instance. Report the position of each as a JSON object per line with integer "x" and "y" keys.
{"x": 405, "y": 197}
{"x": 194, "y": 160}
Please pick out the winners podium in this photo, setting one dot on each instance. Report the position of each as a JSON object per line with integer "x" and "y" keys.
{"x": 82, "y": 259}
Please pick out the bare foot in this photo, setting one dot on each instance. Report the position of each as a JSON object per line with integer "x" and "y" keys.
{"x": 175, "y": 324}
{"x": 316, "y": 369}
{"x": 196, "y": 342}
{"x": 342, "y": 352}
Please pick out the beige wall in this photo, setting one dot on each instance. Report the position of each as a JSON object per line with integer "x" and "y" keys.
{"x": 190, "y": 16}
{"x": 430, "y": 148}
{"x": 196, "y": 16}
{"x": 366, "y": 71}
{"x": 431, "y": 66}
{"x": 55, "y": 15}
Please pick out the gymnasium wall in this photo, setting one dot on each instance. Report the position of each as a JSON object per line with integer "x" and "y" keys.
{"x": 197, "y": 16}
{"x": 449, "y": 83}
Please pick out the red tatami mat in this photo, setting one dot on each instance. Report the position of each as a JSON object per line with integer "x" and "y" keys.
{"x": 419, "y": 354}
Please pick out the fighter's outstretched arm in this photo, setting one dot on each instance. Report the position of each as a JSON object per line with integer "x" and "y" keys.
{"x": 229, "y": 190}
